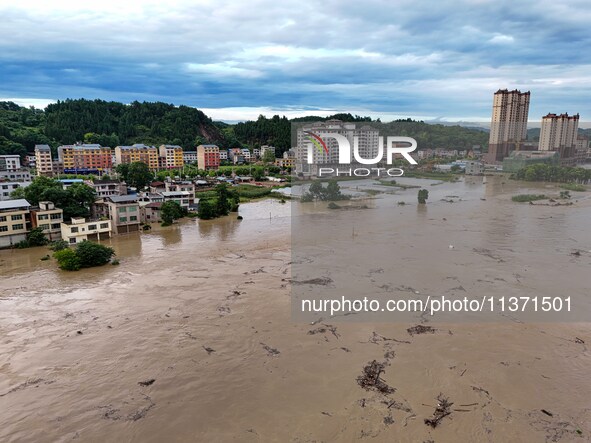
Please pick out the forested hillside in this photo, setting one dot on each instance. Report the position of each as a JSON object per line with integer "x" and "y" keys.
{"x": 114, "y": 123}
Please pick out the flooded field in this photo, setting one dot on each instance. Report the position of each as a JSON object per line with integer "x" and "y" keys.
{"x": 191, "y": 338}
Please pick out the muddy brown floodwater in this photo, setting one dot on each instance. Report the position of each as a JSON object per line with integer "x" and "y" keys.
{"x": 190, "y": 338}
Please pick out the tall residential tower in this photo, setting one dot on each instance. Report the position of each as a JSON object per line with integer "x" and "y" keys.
{"x": 508, "y": 125}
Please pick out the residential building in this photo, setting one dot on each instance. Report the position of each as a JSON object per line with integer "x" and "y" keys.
{"x": 223, "y": 154}
{"x": 508, "y": 124}
{"x": 10, "y": 162}
{"x": 368, "y": 142}
{"x": 21, "y": 175}
{"x": 124, "y": 213}
{"x": 85, "y": 158}
{"x": 246, "y": 154}
{"x": 189, "y": 157}
{"x": 79, "y": 229}
{"x": 288, "y": 159}
{"x": 149, "y": 197}
{"x": 43, "y": 161}
{"x": 208, "y": 157}
{"x": 521, "y": 159}
{"x": 7, "y": 188}
{"x": 236, "y": 156}
{"x": 150, "y": 213}
{"x": 473, "y": 167}
{"x": 49, "y": 218}
{"x": 256, "y": 152}
{"x": 156, "y": 187}
{"x": 173, "y": 186}
{"x": 30, "y": 160}
{"x": 172, "y": 156}
{"x": 107, "y": 188}
{"x": 14, "y": 221}
{"x": 581, "y": 148}
{"x": 559, "y": 133}
{"x": 137, "y": 153}
{"x": 67, "y": 182}
{"x": 183, "y": 198}
{"x": 266, "y": 149}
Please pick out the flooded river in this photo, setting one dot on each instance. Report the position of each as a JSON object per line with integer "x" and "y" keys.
{"x": 191, "y": 337}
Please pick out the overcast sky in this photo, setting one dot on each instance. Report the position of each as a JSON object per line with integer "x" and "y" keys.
{"x": 237, "y": 59}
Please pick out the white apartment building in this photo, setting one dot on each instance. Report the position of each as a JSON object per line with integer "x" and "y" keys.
{"x": 10, "y": 162}
{"x": 7, "y": 188}
{"x": 80, "y": 229}
{"x": 559, "y": 133}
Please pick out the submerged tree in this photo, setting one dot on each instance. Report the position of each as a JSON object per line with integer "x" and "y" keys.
{"x": 422, "y": 196}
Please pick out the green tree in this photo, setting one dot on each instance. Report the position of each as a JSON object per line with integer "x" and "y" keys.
{"x": 36, "y": 237}
{"x": 171, "y": 211}
{"x": 67, "y": 259}
{"x": 93, "y": 254}
{"x": 207, "y": 209}
{"x": 139, "y": 175}
{"x": 123, "y": 170}
{"x": 422, "y": 196}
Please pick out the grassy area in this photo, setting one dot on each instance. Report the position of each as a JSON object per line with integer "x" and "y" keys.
{"x": 396, "y": 185}
{"x": 522, "y": 198}
{"x": 574, "y": 187}
{"x": 443, "y": 176}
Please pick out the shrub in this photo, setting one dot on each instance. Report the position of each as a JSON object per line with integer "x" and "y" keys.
{"x": 521, "y": 198}
{"x": 67, "y": 260}
{"x": 422, "y": 196}
{"x": 93, "y": 254}
{"x": 58, "y": 245}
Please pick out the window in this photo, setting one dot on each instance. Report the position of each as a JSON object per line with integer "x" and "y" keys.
{"x": 43, "y": 217}
{"x": 133, "y": 218}
{"x": 74, "y": 229}
{"x": 2, "y": 218}
{"x": 91, "y": 227}
{"x": 3, "y": 228}
{"x": 104, "y": 225}
{"x": 18, "y": 227}
{"x": 132, "y": 208}
{"x": 56, "y": 216}
{"x": 123, "y": 209}
{"x": 55, "y": 226}
{"x": 16, "y": 217}
{"x": 44, "y": 227}
{"x": 73, "y": 240}
{"x": 122, "y": 219}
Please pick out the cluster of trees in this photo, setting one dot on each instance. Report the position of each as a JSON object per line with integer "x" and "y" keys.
{"x": 171, "y": 211}
{"x": 75, "y": 200}
{"x": 35, "y": 237}
{"x": 224, "y": 201}
{"x": 86, "y": 255}
{"x": 551, "y": 173}
{"x": 330, "y": 192}
{"x": 137, "y": 174}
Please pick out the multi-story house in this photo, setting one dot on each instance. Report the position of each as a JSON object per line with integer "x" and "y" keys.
{"x": 49, "y": 218}
{"x": 7, "y": 188}
{"x": 43, "y": 160}
{"x": 150, "y": 213}
{"x": 174, "y": 186}
{"x": 30, "y": 160}
{"x": 124, "y": 213}
{"x": 172, "y": 156}
{"x": 79, "y": 229}
{"x": 208, "y": 157}
{"x": 183, "y": 198}
{"x": 85, "y": 158}
{"x": 247, "y": 155}
{"x": 107, "y": 188}
{"x": 22, "y": 175}
{"x": 223, "y": 154}
{"x": 137, "y": 153}
{"x": 14, "y": 221}
{"x": 189, "y": 157}
{"x": 10, "y": 162}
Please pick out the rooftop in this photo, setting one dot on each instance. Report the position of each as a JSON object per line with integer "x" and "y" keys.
{"x": 42, "y": 148}
{"x": 122, "y": 198}
{"x": 14, "y": 204}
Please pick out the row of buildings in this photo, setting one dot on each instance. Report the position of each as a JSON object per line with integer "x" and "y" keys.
{"x": 558, "y": 142}
{"x": 94, "y": 158}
